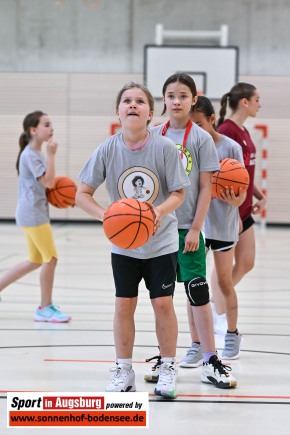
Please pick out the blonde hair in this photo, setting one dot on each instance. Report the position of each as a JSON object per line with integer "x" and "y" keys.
{"x": 133, "y": 85}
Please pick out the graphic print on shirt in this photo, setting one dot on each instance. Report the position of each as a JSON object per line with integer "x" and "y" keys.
{"x": 186, "y": 159}
{"x": 139, "y": 183}
{"x": 138, "y": 186}
{"x": 252, "y": 159}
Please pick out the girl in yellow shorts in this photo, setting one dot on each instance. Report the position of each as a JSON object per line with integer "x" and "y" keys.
{"x": 36, "y": 174}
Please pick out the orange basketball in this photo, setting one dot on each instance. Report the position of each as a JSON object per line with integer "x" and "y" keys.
{"x": 63, "y": 192}
{"x": 128, "y": 223}
{"x": 231, "y": 173}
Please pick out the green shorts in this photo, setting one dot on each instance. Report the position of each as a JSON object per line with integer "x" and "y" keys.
{"x": 192, "y": 264}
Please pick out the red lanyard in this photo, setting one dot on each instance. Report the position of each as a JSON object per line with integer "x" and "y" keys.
{"x": 187, "y": 130}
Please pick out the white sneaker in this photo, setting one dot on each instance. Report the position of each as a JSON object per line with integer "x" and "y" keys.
{"x": 123, "y": 380}
{"x": 152, "y": 375}
{"x": 166, "y": 385}
{"x": 217, "y": 373}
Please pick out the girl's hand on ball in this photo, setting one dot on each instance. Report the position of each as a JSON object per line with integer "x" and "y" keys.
{"x": 156, "y": 214}
{"x": 228, "y": 195}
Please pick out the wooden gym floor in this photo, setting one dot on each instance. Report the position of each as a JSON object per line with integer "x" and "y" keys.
{"x": 77, "y": 356}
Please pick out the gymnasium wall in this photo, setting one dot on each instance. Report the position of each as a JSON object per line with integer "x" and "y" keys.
{"x": 71, "y": 57}
{"x": 82, "y": 109}
{"x": 75, "y": 36}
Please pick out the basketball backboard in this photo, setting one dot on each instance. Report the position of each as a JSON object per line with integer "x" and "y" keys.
{"x": 213, "y": 68}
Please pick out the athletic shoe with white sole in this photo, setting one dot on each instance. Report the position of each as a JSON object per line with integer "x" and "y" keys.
{"x": 51, "y": 314}
{"x": 232, "y": 345}
{"x": 152, "y": 375}
{"x": 193, "y": 357}
{"x": 216, "y": 373}
{"x": 123, "y": 379}
{"x": 166, "y": 385}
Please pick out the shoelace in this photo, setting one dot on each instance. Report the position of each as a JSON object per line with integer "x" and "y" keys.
{"x": 158, "y": 362}
{"x": 223, "y": 369}
{"x": 166, "y": 373}
{"x": 119, "y": 375}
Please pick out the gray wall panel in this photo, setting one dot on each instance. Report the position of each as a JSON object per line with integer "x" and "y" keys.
{"x": 40, "y": 36}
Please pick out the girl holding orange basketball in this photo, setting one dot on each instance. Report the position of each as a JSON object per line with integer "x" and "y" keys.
{"x": 222, "y": 226}
{"x": 36, "y": 174}
{"x": 199, "y": 157}
{"x": 131, "y": 155}
{"x": 244, "y": 101}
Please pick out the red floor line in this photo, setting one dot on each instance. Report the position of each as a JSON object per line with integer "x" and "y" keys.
{"x": 100, "y": 361}
{"x": 219, "y": 396}
{"x": 91, "y": 361}
{"x": 25, "y": 391}
{"x": 212, "y": 396}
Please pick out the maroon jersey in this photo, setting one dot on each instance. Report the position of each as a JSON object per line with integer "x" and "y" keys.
{"x": 230, "y": 129}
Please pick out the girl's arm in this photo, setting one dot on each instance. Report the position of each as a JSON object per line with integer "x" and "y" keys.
{"x": 47, "y": 179}
{"x": 204, "y": 198}
{"x": 85, "y": 201}
{"x": 260, "y": 204}
{"x": 174, "y": 201}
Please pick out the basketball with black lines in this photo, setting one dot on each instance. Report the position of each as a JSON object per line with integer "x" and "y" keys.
{"x": 129, "y": 223}
{"x": 232, "y": 173}
{"x": 63, "y": 192}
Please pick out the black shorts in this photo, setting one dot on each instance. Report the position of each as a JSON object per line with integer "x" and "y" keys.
{"x": 159, "y": 274}
{"x": 217, "y": 245}
{"x": 247, "y": 223}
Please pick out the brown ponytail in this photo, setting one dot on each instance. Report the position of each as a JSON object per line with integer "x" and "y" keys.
{"x": 238, "y": 92}
{"x": 223, "y": 109}
{"x": 31, "y": 120}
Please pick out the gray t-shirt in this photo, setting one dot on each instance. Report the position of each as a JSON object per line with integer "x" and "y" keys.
{"x": 222, "y": 220}
{"x": 199, "y": 156}
{"x": 32, "y": 206}
{"x": 158, "y": 169}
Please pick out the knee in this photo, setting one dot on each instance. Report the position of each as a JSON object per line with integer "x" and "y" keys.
{"x": 35, "y": 266}
{"x": 125, "y": 307}
{"x": 197, "y": 291}
{"x": 53, "y": 261}
{"x": 225, "y": 285}
{"x": 50, "y": 263}
{"x": 162, "y": 305}
{"x": 246, "y": 266}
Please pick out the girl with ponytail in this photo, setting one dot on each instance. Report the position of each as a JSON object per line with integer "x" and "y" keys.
{"x": 36, "y": 172}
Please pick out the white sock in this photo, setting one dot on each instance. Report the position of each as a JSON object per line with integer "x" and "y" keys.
{"x": 168, "y": 359}
{"x": 127, "y": 361}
